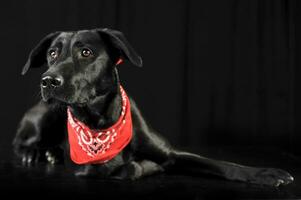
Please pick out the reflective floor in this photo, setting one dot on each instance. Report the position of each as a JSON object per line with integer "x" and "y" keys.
{"x": 56, "y": 181}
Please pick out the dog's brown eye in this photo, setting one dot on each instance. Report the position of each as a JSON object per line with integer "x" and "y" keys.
{"x": 86, "y": 52}
{"x": 53, "y": 54}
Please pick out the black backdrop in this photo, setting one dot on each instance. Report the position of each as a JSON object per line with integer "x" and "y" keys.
{"x": 216, "y": 72}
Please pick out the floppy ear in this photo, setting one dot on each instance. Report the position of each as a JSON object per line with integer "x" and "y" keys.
{"x": 37, "y": 56}
{"x": 118, "y": 40}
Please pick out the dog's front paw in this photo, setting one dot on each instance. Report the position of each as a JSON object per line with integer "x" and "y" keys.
{"x": 54, "y": 156}
{"x": 33, "y": 155}
{"x": 134, "y": 171}
{"x": 87, "y": 171}
{"x": 130, "y": 171}
{"x": 29, "y": 156}
{"x": 271, "y": 177}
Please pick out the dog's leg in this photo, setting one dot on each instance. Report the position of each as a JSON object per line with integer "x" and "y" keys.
{"x": 155, "y": 147}
{"x": 232, "y": 171}
{"x": 138, "y": 169}
{"x": 40, "y": 133}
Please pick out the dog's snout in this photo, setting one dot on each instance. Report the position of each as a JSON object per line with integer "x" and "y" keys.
{"x": 51, "y": 82}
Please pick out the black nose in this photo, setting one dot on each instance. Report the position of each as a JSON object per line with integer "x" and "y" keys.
{"x": 50, "y": 82}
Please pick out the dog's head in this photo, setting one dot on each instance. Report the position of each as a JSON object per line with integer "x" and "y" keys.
{"x": 81, "y": 65}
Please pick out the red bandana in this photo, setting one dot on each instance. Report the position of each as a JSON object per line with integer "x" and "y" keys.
{"x": 99, "y": 146}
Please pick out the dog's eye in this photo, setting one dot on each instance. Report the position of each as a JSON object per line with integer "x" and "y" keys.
{"x": 86, "y": 52}
{"x": 53, "y": 54}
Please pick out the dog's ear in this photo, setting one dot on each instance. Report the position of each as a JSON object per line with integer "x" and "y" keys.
{"x": 118, "y": 40}
{"x": 37, "y": 56}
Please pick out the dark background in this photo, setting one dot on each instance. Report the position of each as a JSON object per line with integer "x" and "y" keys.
{"x": 215, "y": 72}
{"x": 220, "y": 78}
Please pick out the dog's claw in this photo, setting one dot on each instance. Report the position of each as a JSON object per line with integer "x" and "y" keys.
{"x": 279, "y": 182}
{"x": 272, "y": 177}
{"x": 28, "y": 157}
{"x": 24, "y": 160}
{"x": 29, "y": 160}
{"x": 50, "y": 158}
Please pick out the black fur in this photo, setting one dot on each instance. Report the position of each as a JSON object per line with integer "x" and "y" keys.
{"x": 90, "y": 87}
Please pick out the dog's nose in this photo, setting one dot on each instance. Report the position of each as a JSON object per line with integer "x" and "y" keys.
{"x": 51, "y": 82}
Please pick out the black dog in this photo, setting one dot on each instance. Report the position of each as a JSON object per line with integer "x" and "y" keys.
{"x": 82, "y": 76}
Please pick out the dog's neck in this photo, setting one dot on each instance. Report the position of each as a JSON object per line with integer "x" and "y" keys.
{"x": 104, "y": 111}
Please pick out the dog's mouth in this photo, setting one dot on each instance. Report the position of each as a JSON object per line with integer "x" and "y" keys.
{"x": 46, "y": 96}
{"x": 67, "y": 100}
